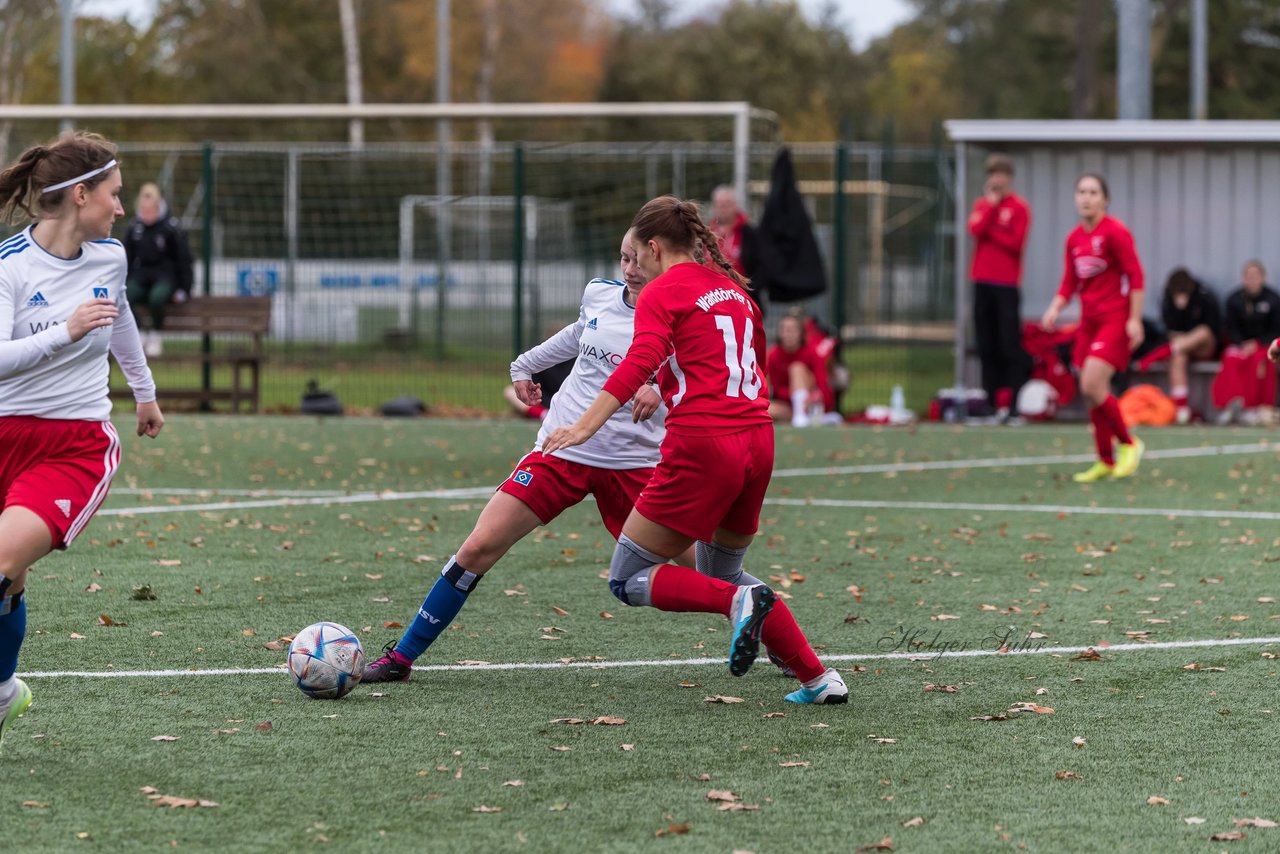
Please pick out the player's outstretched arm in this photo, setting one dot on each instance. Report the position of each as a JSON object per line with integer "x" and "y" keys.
{"x": 585, "y": 427}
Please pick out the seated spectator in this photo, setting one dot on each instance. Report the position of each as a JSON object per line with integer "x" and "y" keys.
{"x": 797, "y": 373}
{"x": 550, "y": 381}
{"x": 827, "y": 345}
{"x": 159, "y": 263}
{"x": 1247, "y": 379}
{"x": 1193, "y": 327}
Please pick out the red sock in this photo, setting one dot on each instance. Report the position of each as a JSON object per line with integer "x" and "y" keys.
{"x": 1102, "y": 434}
{"x": 1116, "y": 418}
{"x": 678, "y": 588}
{"x": 1159, "y": 354}
{"x": 782, "y": 635}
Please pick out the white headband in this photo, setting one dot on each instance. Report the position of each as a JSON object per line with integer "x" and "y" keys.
{"x": 111, "y": 164}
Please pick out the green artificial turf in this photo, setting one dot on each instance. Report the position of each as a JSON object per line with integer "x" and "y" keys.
{"x": 1000, "y": 549}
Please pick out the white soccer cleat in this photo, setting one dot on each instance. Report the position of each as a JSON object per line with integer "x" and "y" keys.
{"x": 830, "y": 690}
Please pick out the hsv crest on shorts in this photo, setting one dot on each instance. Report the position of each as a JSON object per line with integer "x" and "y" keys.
{"x": 524, "y": 478}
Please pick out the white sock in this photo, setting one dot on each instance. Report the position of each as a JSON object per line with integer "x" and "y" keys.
{"x": 799, "y": 400}
{"x": 8, "y": 688}
{"x": 816, "y": 682}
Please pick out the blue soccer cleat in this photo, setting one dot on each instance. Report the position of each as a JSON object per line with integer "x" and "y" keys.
{"x": 751, "y": 604}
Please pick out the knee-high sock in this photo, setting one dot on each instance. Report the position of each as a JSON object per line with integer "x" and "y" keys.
{"x": 1102, "y": 438}
{"x": 723, "y": 563}
{"x": 443, "y": 602}
{"x": 13, "y": 628}
{"x": 1115, "y": 419}
{"x": 783, "y": 637}
{"x": 678, "y": 588}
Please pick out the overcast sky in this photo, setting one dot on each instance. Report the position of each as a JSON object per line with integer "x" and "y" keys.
{"x": 864, "y": 19}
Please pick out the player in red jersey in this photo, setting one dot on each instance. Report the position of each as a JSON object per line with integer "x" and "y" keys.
{"x": 702, "y": 332}
{"x": 63, "y": 307}
{"x": 1103, "y": 267}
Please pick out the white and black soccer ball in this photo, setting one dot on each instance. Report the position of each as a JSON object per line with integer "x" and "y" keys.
{"x": 326, "y": 660}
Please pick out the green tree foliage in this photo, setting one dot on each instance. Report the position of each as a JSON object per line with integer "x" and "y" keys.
{"x": 762, "y": 51}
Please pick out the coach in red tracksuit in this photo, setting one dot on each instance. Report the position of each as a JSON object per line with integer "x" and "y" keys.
{"x": 999, "y": 224}
{"x": 1102, "y": 266}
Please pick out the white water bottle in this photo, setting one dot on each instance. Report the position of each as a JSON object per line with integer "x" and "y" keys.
{"x": 897, "y": 405}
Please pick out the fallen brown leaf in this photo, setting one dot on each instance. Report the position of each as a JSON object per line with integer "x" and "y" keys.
{"x": 794, "y": 763}
{"x": 265, "y": 726}
{"x": 93, "y": 588}
{"x": 165, "y": 737}
{"x": 486, "y": 808}
{"x": 945, "y": 689}
{"x": 913, "y": 822}
{"x": 1067, "y": 775}
{"x": 1079, "y": 742}
{"x": 1157, "y": 801}
{"x": 672, "y": 829}
{"x": 737, "y": 807}
{"x": 1253, "y": 822}
{"x": 1089, "y": 654}
{"x": 37, "y": 805}
{"x": 1229, "y": 836}
{"x": 885, "y": 844}
{"x": 722, "y": 795}
{"x": 561, "y": 611}
{"x": 720, "y": 698}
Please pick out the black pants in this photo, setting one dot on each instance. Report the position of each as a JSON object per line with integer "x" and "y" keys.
{"x": 997, "y": 322}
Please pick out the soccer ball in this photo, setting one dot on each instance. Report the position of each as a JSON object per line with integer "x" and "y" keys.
{"x": 326, "y": 660}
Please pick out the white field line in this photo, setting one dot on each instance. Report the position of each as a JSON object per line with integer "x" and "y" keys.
{"x": 673, "y": 662}
{"x": 211, "y": 492}
{"x": 1064, "y": 509}
{"x": 1002, "y": 462}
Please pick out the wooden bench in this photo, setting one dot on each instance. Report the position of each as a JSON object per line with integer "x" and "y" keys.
{"x": 235, "y": 326}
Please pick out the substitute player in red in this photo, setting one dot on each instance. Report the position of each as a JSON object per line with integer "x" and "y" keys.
{"x": 705, "y": 333}
{"x": 62, "y": 308}
{"x": 1103, "y": 267}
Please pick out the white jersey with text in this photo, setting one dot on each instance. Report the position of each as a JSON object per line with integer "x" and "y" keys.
{"x": 599, "y": 340}
{"x": 42, "y": 373}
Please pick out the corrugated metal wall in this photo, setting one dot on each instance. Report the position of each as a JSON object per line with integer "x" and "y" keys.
{"x": 1209, "y": 208}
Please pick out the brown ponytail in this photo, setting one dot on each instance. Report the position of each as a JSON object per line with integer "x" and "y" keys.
{"x": 43, "y": 166}
{"x": 680, "y": 224}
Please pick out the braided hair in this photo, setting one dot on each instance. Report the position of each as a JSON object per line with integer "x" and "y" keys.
{"x": 52, "y": 163}
{"x": 680, "y": 224}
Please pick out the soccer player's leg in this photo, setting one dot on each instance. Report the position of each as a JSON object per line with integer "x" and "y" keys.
{"x": 534, "y": 494}
{"x": 24, "y": 538}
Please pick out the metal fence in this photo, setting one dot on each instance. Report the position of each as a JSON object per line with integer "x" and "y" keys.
{"x": 382, "y": 285}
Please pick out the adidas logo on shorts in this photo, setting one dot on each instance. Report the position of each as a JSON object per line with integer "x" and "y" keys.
{"x": 64, "y": 505}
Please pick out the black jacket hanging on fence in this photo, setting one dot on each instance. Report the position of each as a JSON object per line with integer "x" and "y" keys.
{"x": 783, "y": 259}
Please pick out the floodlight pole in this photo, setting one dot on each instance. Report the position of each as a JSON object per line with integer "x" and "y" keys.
{"x": 67, "y": 59}
{"x": 443, "y": 177}
{"x": 1133, "y": 59}
{"x": 1199, "y": 60}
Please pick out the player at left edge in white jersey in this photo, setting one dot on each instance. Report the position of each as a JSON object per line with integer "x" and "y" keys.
{"x": 62, "y": 309}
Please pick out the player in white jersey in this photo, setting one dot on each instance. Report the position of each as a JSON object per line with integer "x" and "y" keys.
{"x": 613, "y": 467}
{"x": 62, "y": 309}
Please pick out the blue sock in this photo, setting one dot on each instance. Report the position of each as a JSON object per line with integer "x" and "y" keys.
{"x": 13, "y": 628}
{"x": 442, "y": 604}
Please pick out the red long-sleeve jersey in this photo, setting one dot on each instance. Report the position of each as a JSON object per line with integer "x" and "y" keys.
{"x": 999, "y": 235}
{"x": 706, "y": 336}
{"x": 1095, "y": 262}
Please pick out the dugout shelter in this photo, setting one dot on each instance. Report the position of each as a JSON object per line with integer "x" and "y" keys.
{"x": 1201, "y": 195}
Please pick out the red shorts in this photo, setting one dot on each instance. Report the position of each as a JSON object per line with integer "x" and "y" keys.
{"x": 1103, "y": 338}
{"x": 551, "y": 485}
{"x": 59, "y": 470}
{"x": 709, "y": 482}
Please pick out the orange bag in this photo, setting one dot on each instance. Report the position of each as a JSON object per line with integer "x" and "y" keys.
{"x": 1147, "y": 405}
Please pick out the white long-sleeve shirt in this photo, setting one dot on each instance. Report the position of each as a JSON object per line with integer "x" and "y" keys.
{"x": 599, "y": 339}
{"x": 42, "y": 373}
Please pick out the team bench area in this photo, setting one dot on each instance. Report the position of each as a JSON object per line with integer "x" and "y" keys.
{"x": 235, "y": 326}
